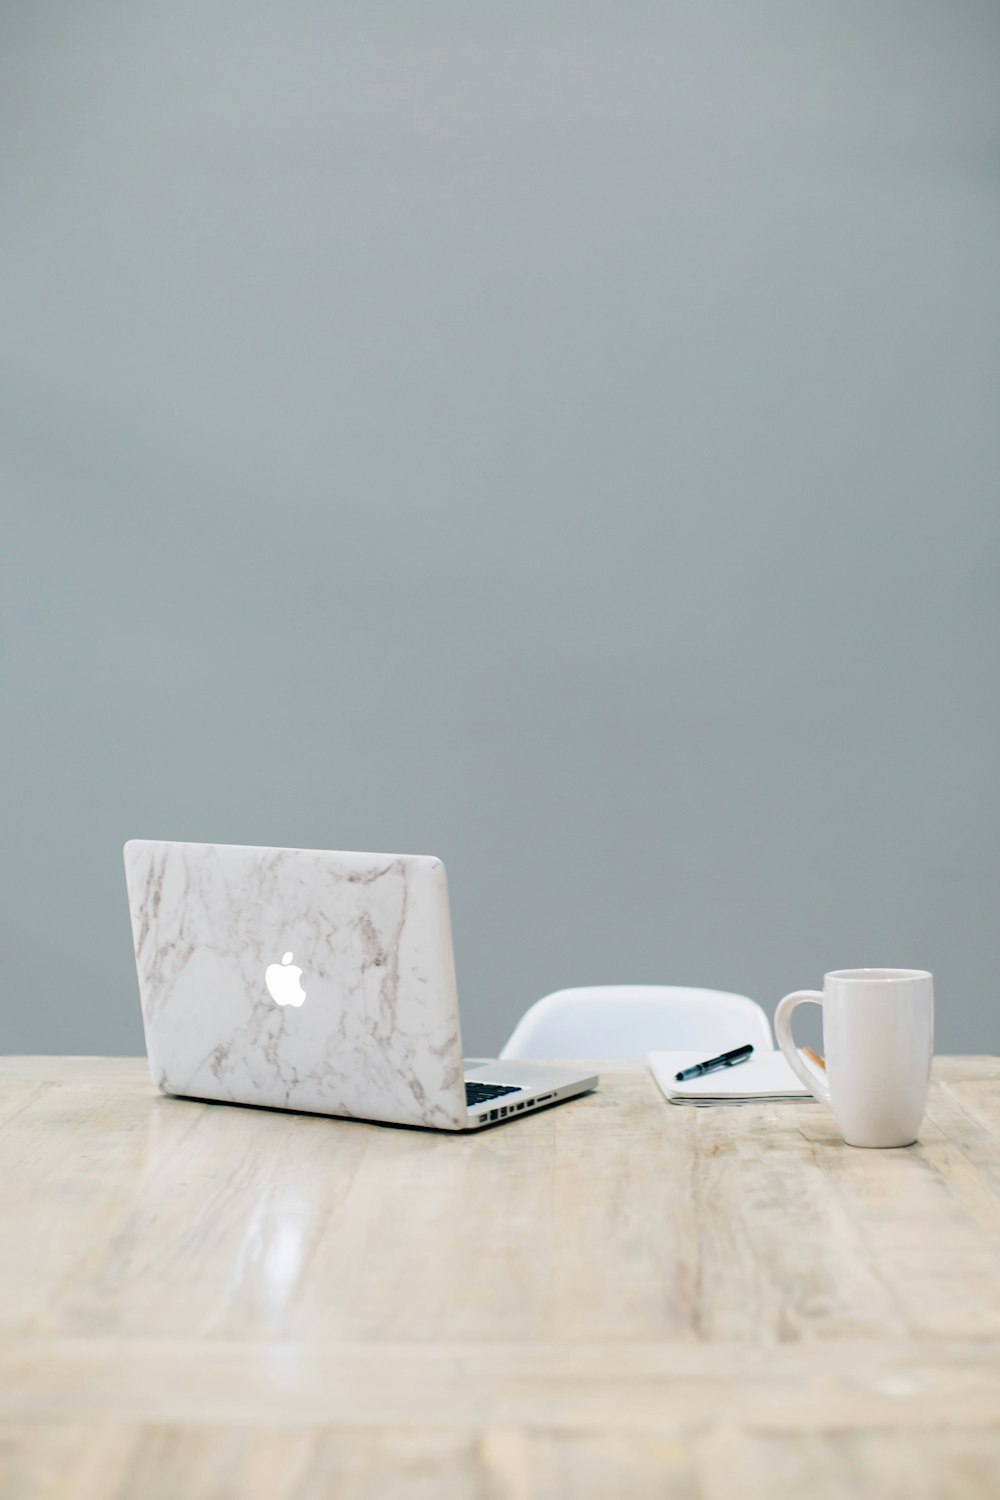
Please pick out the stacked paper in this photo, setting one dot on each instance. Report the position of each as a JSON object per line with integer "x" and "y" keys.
{"x": 764, "y": 1079}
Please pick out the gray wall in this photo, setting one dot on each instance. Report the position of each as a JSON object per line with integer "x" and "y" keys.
{"x": 562, "y": 438}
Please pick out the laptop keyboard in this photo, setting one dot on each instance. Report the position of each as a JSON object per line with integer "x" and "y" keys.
{"x": 478, "y": 1093}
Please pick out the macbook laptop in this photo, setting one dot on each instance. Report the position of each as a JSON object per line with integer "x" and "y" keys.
{"x": 309, "y": 980}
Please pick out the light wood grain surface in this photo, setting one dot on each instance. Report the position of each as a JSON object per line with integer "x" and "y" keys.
{"x": 614, "y": 1298}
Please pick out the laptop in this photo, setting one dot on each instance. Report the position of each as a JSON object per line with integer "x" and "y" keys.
{"x": 316, "y": 981}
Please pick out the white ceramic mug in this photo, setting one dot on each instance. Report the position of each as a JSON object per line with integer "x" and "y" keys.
{"x": 878, "y": 1040}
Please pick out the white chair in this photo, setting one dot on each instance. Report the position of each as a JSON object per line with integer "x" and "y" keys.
{"x": 629, "y": 1020}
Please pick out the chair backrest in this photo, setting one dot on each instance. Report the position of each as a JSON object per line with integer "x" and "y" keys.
{"x": 629, "y": 1020}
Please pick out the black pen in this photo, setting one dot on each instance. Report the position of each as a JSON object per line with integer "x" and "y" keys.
{"x": 725, "y": 1060}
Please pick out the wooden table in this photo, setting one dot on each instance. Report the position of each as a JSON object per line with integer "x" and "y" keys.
{"x": 614, "y": 1298}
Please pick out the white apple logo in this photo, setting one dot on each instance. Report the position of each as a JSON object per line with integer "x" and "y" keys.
{"x": 282, "y": 982}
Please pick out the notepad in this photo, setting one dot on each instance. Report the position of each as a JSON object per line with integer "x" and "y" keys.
{"x": 765, "y": 1079}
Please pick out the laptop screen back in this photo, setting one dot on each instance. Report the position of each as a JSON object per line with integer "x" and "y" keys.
{"x": 298, "y": 978}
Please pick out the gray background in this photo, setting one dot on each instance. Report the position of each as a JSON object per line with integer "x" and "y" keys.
{"x": 562, "y": 438}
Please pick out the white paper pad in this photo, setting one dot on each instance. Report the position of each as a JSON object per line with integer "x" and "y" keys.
{"x": 765, "y": 1078}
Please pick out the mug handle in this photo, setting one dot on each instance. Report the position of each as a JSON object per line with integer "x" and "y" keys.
{"x": 783, "y": 1033}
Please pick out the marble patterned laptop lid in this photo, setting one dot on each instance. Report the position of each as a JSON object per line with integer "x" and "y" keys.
{"x": 298, "y": 978}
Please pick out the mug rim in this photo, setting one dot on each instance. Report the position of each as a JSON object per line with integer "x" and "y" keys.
{"x": 879, "y": 976}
